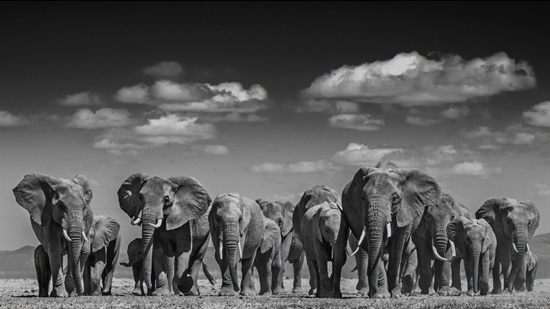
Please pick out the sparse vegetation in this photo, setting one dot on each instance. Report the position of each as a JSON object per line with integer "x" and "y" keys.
{"x": 22, "y": 293}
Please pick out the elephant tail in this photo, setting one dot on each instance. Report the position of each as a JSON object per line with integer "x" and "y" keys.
{"x": 208, "y": 274}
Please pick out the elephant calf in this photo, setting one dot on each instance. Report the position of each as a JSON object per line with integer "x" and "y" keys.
{"x": 320, "y": 227}
{"x": 531, "y": 273}
{"x": 477, "y": 244}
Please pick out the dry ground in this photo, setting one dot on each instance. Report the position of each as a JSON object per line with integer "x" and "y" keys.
{"x": 21, "y": 293}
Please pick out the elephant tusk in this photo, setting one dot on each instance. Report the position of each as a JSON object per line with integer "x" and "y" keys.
{"x": 66, "y": 235}
{"x": 388, "y": 229}
{"x": 331, "y": 254}
{"x": 363, "y": 233}
{"x": 514, "y": 246}
{"x": 240, "y": 250}
{"x": 528, "y": 250}
{"x": 159, "y": 223}
{"x": 84, "y": 236}
{"x": 437, "y": 256}
{"x": 137, "y": 220}
{"x": 221, "y": 251}
{"x": 128, "y": 194}
{"x": 453, "y": 249}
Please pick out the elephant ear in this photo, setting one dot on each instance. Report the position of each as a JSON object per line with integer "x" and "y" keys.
{"x": 456, "y": 227}
{"x": 34, "y": 193}
{"x": 288, "y": 212}
{"x": 88, "y": 219}
{"x": 489, "y": 235}
{"x": 83, "y": 182}
{"x": 105, "y": 230}
{"x": 359, "y": 181}
{"x": 536, "y": 217}
{"x": 271, "y": 237}
{"x": 262, "y": 203}
{"x": 491, "y": 212}
{"x": 419, "y": 191}
{"x": 245, "y": 204}
{"x": 191, "y": 202}
{"x": 128, "y": 194}
{"x": 317, "y": 223}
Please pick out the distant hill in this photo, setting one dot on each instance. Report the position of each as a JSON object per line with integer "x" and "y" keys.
{"x": 19, "y": 264}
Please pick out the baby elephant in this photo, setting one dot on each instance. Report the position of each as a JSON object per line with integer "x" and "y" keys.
{"x": 531, "y": 272}
{"x": 135, "y": 257}
{"x": 320, "y": 228}
{"x": 476, "y": 243}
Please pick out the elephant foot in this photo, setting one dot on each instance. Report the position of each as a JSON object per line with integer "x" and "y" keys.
{"x": 483, "y": 292}
{"x": 43, "y": 294}
{"x": 96, "y": 293}
{"x": 248, "y": 292}
{"x": 277, "y": 291}
{"x": 297, "y": 290}
{"x": 363, "y": 292}
{"x": 59, "y": 292}
{"x": 161, "y": 292}
{"x": 496, "y": 291}
{"x": 193, "y": 292}
{"x": 336, "y": 294}
{"x": 227, "y": 291}
{"x": 137, "y": 292}
{"x": 311, "y": 292}
{"x": 381, "y": 295}
{"x": 106, "y": 293}
{"x": 396, "y": 295}
{"x": 470, "y": 293}
{"x": 265, "y": 293}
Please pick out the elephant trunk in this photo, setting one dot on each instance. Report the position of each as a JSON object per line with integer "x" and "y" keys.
{"x": 520, "y": 259}
{"x": 147, "y": 231}
{"x": 376, "y": 224}
{"x": 75, "y": 233}
{"x": 476, "y": 253}
{"x": 231, "y": 240}
{"x": 440, "y": 244}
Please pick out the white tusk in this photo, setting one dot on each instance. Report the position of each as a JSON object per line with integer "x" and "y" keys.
{"x": 137, "y": 220}
{"x": 388, "y": 229}
{"x": 128, "y": 194}
{"x": 453, "y": 249}
{"x": 221, "y": 250}
{"x": 528, "y": 250}
{"x": 240, "y": 250}
{"x": 331, "y": 254}
{"x": 66, "y": 235}
{"x": 84, "y": 236}
{"x": 363, "y": 233}
{"x": 159, "y": 223}
{"x": 514, "y": 246}
{"x": 437, "y": 256}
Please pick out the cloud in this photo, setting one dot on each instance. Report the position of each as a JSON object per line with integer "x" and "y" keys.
{"x": 544, "y": 189}
{"x": 363, "y": 122}
{"x": 235, "y": 117}
{"x": 465, "y": 169}
{"x": 268, "y": 168}
{"x": 538, "y": 115}
{"x": 103, "y": 118}
{"x": 8, "y": 119}
{"x": 176, "y": 125}
{"x": 164, "y": 69}
{"x": 80, "y": 99}
{"x": 362, "y": 155}
{"x": 456, "y": 112}
{"x": 299, "y": 167}
{"x": 136, "y": 94}
{"x": 165, "y": 90}
{"x": 212, "y": 149}
{"x": 514, "y": 135}
{"x": 411, "y": 79}
{"x": 327, "y": 106}
{"x": 420, "y": 121}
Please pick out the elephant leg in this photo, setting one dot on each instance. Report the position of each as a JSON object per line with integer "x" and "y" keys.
{"x": 410, "y": 273}
{"x": 275, "y": 266}
{"x": 313, "y": 278}
{"x": 455, "y": 269}
{"x": 263, "y": 266}
{"x": 97, "y": 273}
{"x": 43, "y": 271}
{"x": 484, "y": 270}
{"x": 227, "y": 284}
{"x": 161, "y": 280}
{"x": 517, "y": 276}
{"x": 469, "y": 268}
{"x": 362, "y": 259}
{"x": 396, "y": 245}
{"x": 183, "y": 282}
{"x": 317, "y": 276}
{"x": 138, "y": 280}
{"x": 87, "y": 277}
{"x": 530, "y": 277}
{"x": 284, "y": 252}
{"x": 497, "y": 284}
{"x": 113, "y": 251}
{"x": 324, "y": 280}
{"x": 425, "y": 267}
{"x": 192, "y": 275}
{"x": 297, "y": 267}
{"x": 56, "y": 263}
{"x": 247, "y": 283}
{"x": 169, "y": 267}
{"x": 506, "y": 269}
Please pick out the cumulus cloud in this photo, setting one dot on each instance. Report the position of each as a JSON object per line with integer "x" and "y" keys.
{"x": 268, "y": 168}
{"x": 543, "y": 188}
{"x": 299, "y": 167}
{"x": 456, "y": 112}
{"x": 411, "y": 79}
{"x": 490, "y": 139}
{"x": 176, "y": 125}
{"x": 164, "y": 69}
{"x": 169, "y": 91}
{"x": 465, "y": 169}
{"x": 103, "y": 118}
{"x": 363, "y": 122}
{"x": 421, "y": 121}
{"x": 80, "y": 99}
{"x": 137, "y": 94}
{"x": 538, "y": 115}
{"x": 212, "y": 149}
{"x": 235, "y": 117}
{"x": 327, "y": 106}
{"x": 8, "y": 119}
{"x": 362, "y": 155}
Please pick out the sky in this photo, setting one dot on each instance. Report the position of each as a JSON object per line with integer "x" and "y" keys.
{"x": 270, "y": 99}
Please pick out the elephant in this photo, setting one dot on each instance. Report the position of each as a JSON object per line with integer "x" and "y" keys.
{"x": 320, "y": 229}
{"x": 101, "y": 263}
{"x": 135, "y": 258}
{"x": 61, "y": 218}
{"x": 513, "y": 223}
{"x": 173, "y": 214}
{"x": 315, "y": 196}
{"x": 477, "y": 244}
{"x": 531, "y": 273}
{"x": 384, "y": 205}
{"x": 268, "y": 260}
{"x": 291, "y": 248}
{"x": 239, "y": 232}
{"x": 432, "y": 243}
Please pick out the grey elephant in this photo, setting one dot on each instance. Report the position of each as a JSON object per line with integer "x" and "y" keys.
{"x": 135, "y": 260}
{"x": 101, "y": 263}
{"x": 315, "y": 196}
{"x": 432, "y": 243}
{"x": 320, "y": 228}
{"x": 476, "y": 244}
{"x": 61, "y": 218}
{"x": 513, "y": 223}
{"x": 531, "y": 273}
{"x": 239, "y": 232}
{"x": 384, "y": 205}
{"x": 173, "y": 214}
{"x": 291, "y": 248}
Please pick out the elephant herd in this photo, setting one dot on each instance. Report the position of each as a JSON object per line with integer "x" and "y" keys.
{"x": 402, "y": 230}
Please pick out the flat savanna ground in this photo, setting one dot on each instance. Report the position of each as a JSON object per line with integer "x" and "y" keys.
{"x": 22, "y": 293}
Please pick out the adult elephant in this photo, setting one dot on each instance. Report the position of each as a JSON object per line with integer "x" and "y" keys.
{"x": 239, "y": 231}
{"x": 173, "y": 214}
{"x": 384, "y": 205}
{"x": 61, "y": 218}
{"x": 432, "y": 243}
{"x": 315, "y": 196}
{"x": 514, "y": 223}
{"x": 476, "y": 244}
{"x": 292, "y": 249}
{"x": 101, "y": 263}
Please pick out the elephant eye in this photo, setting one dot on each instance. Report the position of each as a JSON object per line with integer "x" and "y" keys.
{"x": 279, "y": 221}
{"x": 395, "y": 198}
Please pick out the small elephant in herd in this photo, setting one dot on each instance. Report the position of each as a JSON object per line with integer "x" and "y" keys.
{"x": 241, "y": 232}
